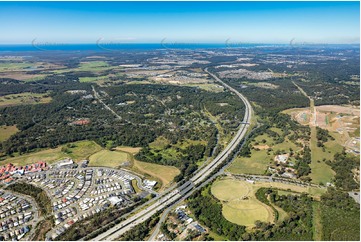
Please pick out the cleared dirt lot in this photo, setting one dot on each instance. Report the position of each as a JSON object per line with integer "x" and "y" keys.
{"x": 343, "y": 121}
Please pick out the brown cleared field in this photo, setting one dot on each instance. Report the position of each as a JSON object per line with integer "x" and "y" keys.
{"x": 7, "y": 131}
{"x": 164, "y": 174}
{"x": 23, "y": 76}
{"x": 341, "y": 120}
{"x": 24, "y": 99}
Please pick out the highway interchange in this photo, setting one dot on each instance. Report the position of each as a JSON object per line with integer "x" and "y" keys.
{"x": 176, "y": 194}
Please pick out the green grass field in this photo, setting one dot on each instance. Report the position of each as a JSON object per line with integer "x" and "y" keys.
{"x": 24, "y": 98}
{"x": 282, "y": 215}
{"x": 94, "y": 79}
{"x": 235, "y": 208}
{"x": 13, "y": 66}
{"x": 90, "y": 66}
{"x": 210, "y": 87}
{"x": 7, "y": 131}
{"x": 320, "y": 171}
{"x": 108, "y": 158}
{"x": 81, "y": 150}
{"x": 84, "y": 149}
{"x": 94, "y": 66}
{"x": 256, "y": 164}
{"x": 356, "y": 133}
{"x": 317, "y": 221}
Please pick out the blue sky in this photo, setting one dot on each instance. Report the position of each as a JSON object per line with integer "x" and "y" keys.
{"x": 206, "y": 22}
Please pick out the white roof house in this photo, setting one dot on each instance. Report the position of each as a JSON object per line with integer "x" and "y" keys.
{"x": 115, "y": 200}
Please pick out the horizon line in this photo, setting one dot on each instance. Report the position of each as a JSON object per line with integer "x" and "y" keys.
{"x": 49, "y": 43}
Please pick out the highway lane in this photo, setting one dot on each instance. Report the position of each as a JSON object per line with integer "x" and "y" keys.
{"x": 187, "y": 188}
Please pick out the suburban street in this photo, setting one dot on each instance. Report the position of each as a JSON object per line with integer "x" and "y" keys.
{"x": 97, "y": 96}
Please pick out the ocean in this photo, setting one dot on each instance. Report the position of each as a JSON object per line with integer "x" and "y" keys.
{"x": 101, "y": 47}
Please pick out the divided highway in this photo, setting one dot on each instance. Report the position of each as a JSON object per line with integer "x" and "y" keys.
{"x": 199, "y": 178}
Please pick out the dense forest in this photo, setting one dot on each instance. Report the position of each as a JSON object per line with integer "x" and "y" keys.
{"x": 298, "y": 224}
{"x": 340, "y": 216}
{"x": 151, "y": 111}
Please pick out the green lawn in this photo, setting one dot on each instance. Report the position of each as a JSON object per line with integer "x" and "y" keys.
{"x": 185, "y": 143}
{"x": 210, "y": 87}
{"x": 93, "y": 66}
{"x": 356, "y": 133}
{"x": 320, "y": 171}
{"x": 317, "y": 221}
{"x": 282, "y": 215}
{"x": 257, "y": 164}
{"x": 239, "y": 203}
{"x": 108, "y": 158}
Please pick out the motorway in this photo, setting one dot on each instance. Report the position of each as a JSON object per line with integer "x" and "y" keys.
{"x": 173, "y": 195}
